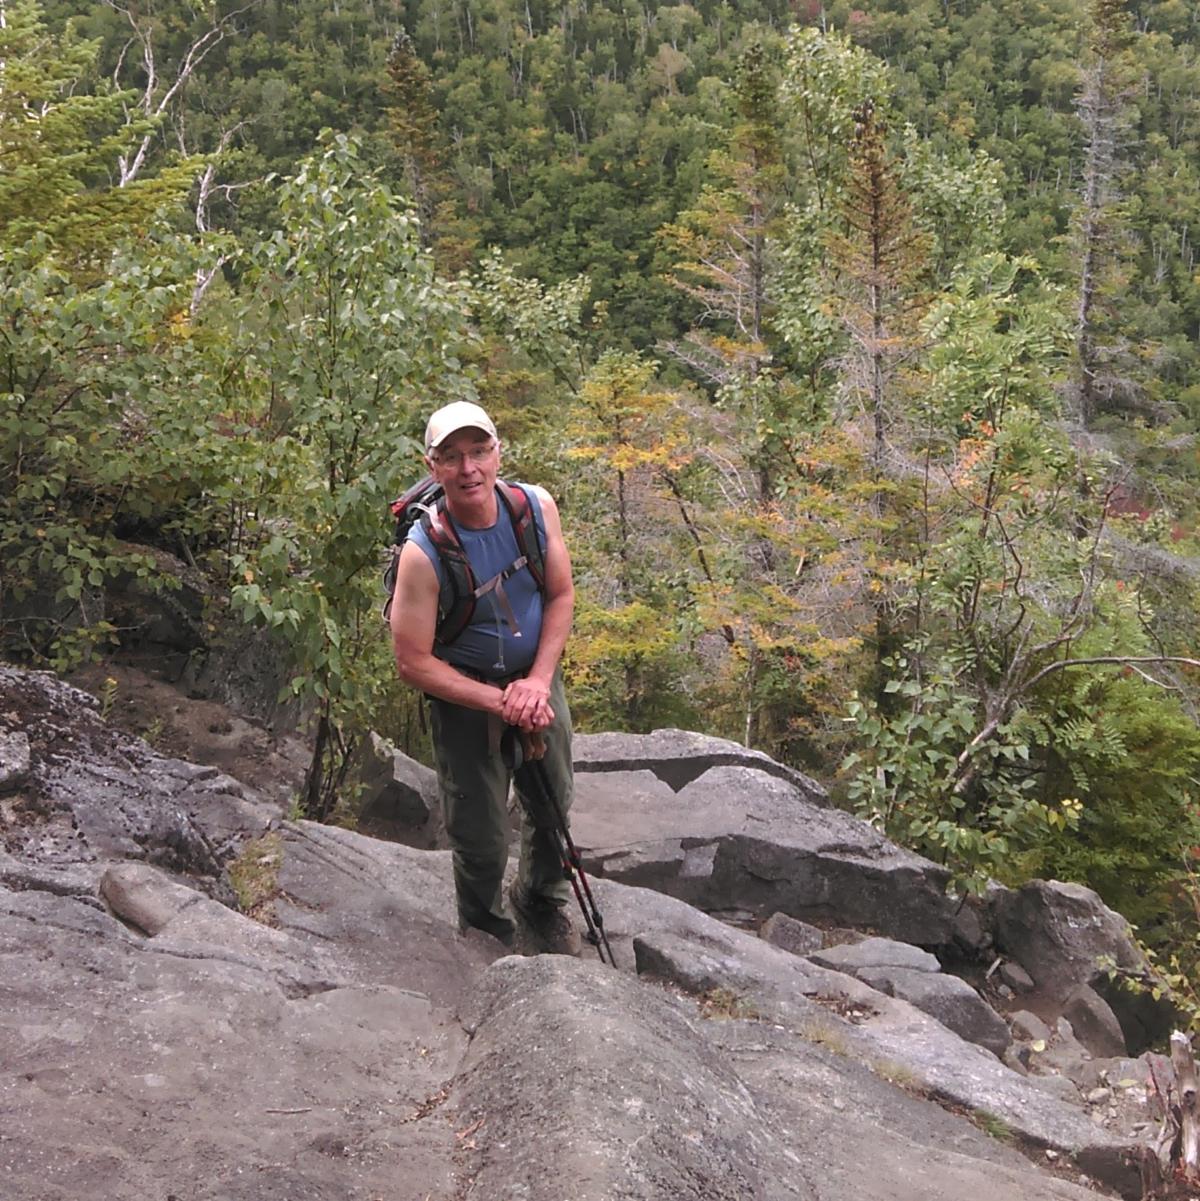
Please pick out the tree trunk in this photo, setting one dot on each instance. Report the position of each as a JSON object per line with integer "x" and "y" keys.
{"x": 314, "y": 780}
{"x": 1187, "y": 1166}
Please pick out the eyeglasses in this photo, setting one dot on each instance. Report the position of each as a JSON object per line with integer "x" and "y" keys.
{"x": 453, "y": 459}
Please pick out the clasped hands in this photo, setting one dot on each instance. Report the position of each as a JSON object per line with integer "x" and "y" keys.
{"x": 525, "y": 704}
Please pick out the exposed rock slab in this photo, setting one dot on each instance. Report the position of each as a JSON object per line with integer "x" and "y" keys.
{"x": 153, "y": 1042}
{"x": 388, "y": 908}
{"x": 93, "y": 794}
{"x": 399, "y": 796}
{"x": 677, "y": 757}
{"x": 134, "y": 1067}
{"x": 739, "y": 839}
{"x": 643, "y": 1099}
{"x": 871, "y": 1139}
{"x": 630, "y": 1102}
{"x": 829, "y": 1006}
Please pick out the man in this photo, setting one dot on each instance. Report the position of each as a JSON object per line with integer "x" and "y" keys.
{"x": 503, "y": 670}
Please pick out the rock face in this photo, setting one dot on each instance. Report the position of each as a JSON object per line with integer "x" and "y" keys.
{"x": 742, "y": 841}
{"x": 1059, "y": 933}
{"x": 791, "y": 935}
{"x": 156, "y": 1042}
{"x": 913, "y": 975}
{"x": 677, "y": 757}
{"x": 398, "y": 795}
{"x": 1064, "y": 936}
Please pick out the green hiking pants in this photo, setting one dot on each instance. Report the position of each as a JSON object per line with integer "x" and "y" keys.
{"x": 474, "y": 784}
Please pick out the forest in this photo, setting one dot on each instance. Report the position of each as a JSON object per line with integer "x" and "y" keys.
{"x": 859, "y": 345}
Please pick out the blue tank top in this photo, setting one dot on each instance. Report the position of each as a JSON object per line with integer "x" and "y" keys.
{"x": 492, "y": 646}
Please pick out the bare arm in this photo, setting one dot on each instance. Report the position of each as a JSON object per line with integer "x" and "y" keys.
{"x": 526, "y": 701}
{"x": 413, "y": 622}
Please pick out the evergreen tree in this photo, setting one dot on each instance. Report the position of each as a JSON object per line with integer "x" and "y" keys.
{"x": 878, "y": 266}
{"x": 60, "y": 134}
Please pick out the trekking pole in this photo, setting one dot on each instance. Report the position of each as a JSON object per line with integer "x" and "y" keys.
{"x": 572, "y": 862}
{"x": 531, "y": 777}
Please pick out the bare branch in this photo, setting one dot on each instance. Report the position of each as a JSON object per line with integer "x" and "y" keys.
{"x": 155, "y": 105}
{"x": 1000, "y": 706}
{"x": 1115, "y": 660}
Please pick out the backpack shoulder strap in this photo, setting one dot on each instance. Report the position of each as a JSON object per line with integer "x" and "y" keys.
{"x": 520, "y": 512}
{"x": 456, "y": 598}
{"x": 407, "y": 509}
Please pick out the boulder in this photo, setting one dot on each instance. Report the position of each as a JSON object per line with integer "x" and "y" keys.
{"x": 1094, "y": 1023}
{"x": 1059, "y": 933}
{"x": 1016, "y": 977}
{"x": 913, "y": 975}
{"x": 1063, "y": 1056}
{"x": 738, "y": 839}
{"x": 677, "y": 757}
{"x": 1146, "y": 1020}
{"x": 949, "y": 1000}
{"x": 1063, "y": 935}
{"x": 397, "y": 795}
{"x": 144, "y": 897}
{"x": 791, "y": 935}
{"x": 876, "y": 953}
{"x": 1029, "y": 1026}
{"x": 704, "y": 1135}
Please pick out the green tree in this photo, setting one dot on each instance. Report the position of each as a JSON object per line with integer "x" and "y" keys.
{"x": 102, "y": 384}
{"x": 1004, "y": 712}
{"x": 626, "y": 435}
{"x": 350, "y": 339}
{"x": 101, "y": 404}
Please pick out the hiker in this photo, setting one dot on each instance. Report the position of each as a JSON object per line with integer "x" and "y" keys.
{"x": 501, "y": 670}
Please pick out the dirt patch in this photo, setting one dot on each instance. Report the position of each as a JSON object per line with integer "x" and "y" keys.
{"x": 200, "y": 731}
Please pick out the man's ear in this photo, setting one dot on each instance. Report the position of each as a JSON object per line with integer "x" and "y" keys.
{"x": 429, "y": 463}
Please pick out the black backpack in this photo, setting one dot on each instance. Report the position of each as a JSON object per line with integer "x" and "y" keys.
{"x": 425, "y": 502}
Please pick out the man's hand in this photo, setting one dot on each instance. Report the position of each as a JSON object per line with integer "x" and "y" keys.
{"x": 526, "y": 705}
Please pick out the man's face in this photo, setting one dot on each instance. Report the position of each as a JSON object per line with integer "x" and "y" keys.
{"x": 466, "y": 465}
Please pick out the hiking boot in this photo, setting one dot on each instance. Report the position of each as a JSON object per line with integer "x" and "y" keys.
{"x": 543, "y": 926}
{"x": 506, "y": 935}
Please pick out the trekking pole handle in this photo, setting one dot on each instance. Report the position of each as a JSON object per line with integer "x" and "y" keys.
{"x": 533, "y": 745}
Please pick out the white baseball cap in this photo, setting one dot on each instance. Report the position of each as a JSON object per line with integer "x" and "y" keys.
{"x": 451, "y": 418}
